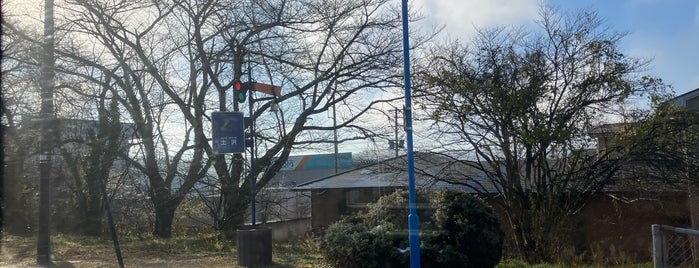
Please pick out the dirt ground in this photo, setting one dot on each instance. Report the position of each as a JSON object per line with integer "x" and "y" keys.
{"x": 21, "y": 252}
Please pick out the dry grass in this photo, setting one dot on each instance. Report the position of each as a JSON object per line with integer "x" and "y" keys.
{"x": 76, "y": 251}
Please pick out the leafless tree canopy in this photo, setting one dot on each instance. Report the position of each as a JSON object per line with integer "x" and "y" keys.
{"x": 169, "y": 64}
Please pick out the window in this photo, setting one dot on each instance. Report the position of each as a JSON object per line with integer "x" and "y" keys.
{"x": 362, "y": 197}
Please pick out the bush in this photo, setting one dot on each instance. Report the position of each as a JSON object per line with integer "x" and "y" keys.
{"x": 349, "y": 243}
{"x": 457, "y": 230}
{"x": 470, "y": 231}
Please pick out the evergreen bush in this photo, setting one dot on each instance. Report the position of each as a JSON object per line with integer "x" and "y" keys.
{"x": 456, "y": 230}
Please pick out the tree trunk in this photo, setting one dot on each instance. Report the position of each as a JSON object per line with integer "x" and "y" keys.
{"x": 164, "y": 215}
{"x": 539, "y": 229}
{"x": 90, "y": 212}
{"x": 234, "y": 209}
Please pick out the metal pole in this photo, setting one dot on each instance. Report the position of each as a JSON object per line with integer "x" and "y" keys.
{"x": 335, "y": 130}
{"x": 237, "y": 73}
{"x": 43, "y": 247}
{"x": 253, "y": 177}
{"x": 395, "y": 131}
{"x": 413, "y": 229}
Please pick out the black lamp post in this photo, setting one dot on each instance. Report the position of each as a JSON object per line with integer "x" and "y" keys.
{"x": 251, "y": 143}
{"x": 43, "y": 249}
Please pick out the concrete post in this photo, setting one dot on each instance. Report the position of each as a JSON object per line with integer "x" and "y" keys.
{"x": 693, "y": 200}
{"x": 657, "y": 246}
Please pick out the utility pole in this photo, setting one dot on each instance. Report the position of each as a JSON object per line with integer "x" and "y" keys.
{"x": 395, "y": 144}
{"x": 395, "y": 130}
{"x": 43, "y": 246}
{"x": 335, "y": 129}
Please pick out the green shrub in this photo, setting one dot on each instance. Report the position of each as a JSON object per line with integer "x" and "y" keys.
{"x": 352, "y": 244}
{"x": 469, "y": 228}
{"x": 456, "y": 230}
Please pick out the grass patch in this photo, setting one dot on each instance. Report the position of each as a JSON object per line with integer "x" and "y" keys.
{"x": 514, "y": 263}
{"x": 184, "y": 244}
{"x": 77, "y": 240}
{"x": 203, "y": 250}
{"x": 299, "y": 252}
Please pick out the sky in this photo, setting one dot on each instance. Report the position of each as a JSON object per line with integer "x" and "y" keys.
{"x": 665, "y": 31}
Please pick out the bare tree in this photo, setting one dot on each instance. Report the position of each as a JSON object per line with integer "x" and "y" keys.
{"x": 90, "y": 158}
{"x": 91, "y": 137}
{"x": 20, "y": 97}
{"x": 170, "y": 63}
{"x": 139, "y": 62}
{"x": 517, "y": 107}
{"x": 325, "y": 55}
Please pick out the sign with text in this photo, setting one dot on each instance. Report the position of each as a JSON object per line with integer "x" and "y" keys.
{"x": 228, "y": 132}
{"x": 318, "y": 161}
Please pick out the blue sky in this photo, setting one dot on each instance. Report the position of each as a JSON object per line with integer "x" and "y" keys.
{"x": 666, "y": 31}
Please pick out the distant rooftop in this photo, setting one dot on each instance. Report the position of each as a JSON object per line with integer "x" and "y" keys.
{"x": 689, "y": 100}
{"x": 432, "y": 172}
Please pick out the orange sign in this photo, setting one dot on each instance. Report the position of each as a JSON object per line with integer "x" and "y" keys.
{"x": 267, "y": 89}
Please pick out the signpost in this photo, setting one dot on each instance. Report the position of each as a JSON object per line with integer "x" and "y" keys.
{"x": 267, "y": 89}
{"x": 228, "y": 132}
{"x": 254, "y": 244}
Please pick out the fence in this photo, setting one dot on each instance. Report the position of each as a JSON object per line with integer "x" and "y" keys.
{"x": 675, "y": 247}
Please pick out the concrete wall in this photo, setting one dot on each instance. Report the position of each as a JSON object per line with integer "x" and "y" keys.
{"x": 284, "y": 230}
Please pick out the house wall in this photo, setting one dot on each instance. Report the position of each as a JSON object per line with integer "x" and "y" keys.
{"x": 691, "y": 102}
{"x": 619, "y": 225}
{"x": 326, "y": 207}
{"x": 329, "y": 205}
{"x": 694, "y": 206}
{"x": 616, "y": 227}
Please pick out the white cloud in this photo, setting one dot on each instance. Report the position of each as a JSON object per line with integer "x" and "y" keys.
{"x": 460, "y": 16}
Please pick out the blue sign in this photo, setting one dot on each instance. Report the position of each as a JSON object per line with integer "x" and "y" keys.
{"x": 228, "y": 132}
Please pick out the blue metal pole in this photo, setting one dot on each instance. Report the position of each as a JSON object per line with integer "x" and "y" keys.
{"x": 413, "y": 229}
